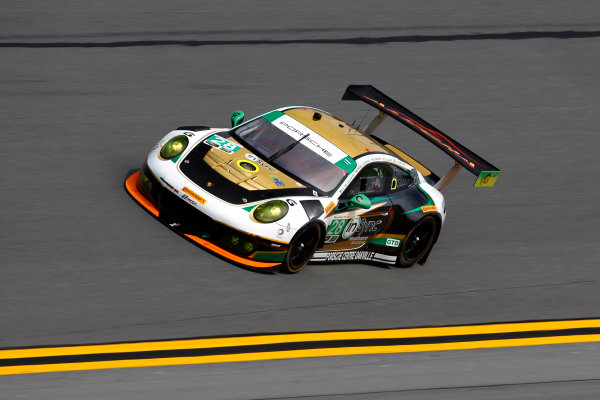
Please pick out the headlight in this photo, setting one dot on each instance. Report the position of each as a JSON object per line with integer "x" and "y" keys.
{"x": 145, "y": 183}
{"x": 174, "y": 147}
{"x": 271, "y": 211}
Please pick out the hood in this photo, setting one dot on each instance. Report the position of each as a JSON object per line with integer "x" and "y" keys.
{"x": 222, "y": 166}
{"x": 243, "y": 168}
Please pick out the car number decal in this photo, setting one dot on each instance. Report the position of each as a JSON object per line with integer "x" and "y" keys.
{"x": 222, "y": 144}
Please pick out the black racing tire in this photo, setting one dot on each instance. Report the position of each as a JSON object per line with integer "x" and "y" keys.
{"x": 418, "y": 242}
{"x": 301, "y": 249}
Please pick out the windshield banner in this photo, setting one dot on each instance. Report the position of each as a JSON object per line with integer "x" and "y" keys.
{"x": 314, "y": 141}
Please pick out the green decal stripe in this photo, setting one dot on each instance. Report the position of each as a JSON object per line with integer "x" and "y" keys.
{"x": 270, "y": 256}
{"x": 380, "y": 198}
{"x": 177, "y": 157}
{"x": 249, "y": 208}
{"x": 429, "y": 202}
{"x": 347, "y": 164}
{"x": 273, "y": 115}
{"x": 382, "y": 241}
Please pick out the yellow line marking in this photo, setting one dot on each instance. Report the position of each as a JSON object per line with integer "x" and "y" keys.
{"x": 297, "y": 337}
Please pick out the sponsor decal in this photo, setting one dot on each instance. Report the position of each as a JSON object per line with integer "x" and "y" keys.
{"x": 350, "y": 255}
{"x": 486, "y": 179}
{"x": 260, "y": 162}
{"x": 392, "y": 242}
{"x": 312, "y": 141}
{"x": 329, "y": 207}
{"x": 169, "y": 185}
{"x": 291, "y": 202}
{"x": 188, "y": 199}
{"x": 427, "y": 209}
{"x": 189, "y": 134}
{"x": 280, "y": 232}
{"x": 358, "y": 239}
{"x": 222, "y": 144}
{"x": 355, "y": 229}
{"x": 193, "y": 194}
{"x": 278, "y": 182}
{"x": 369, "y": 227}
{"x": 351, "y": 227}
{"x": 331, "y": 238}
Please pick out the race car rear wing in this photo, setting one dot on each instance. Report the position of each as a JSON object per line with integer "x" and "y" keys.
{"x": 464, "y": 158}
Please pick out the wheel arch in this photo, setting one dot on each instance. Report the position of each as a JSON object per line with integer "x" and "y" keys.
{"x": 322, "y": 228}
{"x": 438, "y": 229}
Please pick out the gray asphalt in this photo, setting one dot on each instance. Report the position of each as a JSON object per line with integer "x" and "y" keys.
{"x": 82, "y": 263}
{"x": 545, "y": 372}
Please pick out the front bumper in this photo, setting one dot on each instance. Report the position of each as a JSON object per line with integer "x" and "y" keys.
{"x": 235, "y": 246}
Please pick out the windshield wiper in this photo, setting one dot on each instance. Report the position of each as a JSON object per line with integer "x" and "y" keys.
{"x": 287, "y": 148}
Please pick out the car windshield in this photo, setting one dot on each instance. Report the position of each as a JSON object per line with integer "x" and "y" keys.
{"x": 290, "y": 154}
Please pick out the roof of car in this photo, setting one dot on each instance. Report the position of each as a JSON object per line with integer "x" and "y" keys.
{"x": 347, "y": 138}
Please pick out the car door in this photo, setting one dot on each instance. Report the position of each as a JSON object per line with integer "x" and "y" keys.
{"x": 353, "y": 227}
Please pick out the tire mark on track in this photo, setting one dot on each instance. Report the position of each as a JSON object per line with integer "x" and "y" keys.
{"x": 525, "y": 35}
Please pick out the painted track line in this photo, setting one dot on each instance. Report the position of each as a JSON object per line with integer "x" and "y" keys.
{"x": 294, "y": 345}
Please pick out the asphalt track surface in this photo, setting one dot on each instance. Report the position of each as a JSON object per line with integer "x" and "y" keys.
{"x": 87, "y": 89}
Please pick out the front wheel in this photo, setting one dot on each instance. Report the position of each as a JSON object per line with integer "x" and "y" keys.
{"x": 302, "y": 247}
{"x": 417, "y": 243}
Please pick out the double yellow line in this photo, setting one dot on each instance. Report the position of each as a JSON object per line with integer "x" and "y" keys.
{"x": 294, "y": 345}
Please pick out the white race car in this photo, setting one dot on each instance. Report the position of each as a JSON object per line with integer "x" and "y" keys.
{"x": 297, "y": 184}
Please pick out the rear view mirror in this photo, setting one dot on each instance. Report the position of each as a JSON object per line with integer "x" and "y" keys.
{"x": 360, "y": 201}
{"x": 415, "y": 176}
{"x": 236, "y": 118}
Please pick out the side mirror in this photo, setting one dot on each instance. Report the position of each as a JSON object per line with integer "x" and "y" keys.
{"x": 360, "y": 201}
{"x": 236, "y": 118}
{"x": 415, "y": 176}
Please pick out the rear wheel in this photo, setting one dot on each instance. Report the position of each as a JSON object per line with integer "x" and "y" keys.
{"x": 417, "y": 243}
{"x": 302, "y": 247}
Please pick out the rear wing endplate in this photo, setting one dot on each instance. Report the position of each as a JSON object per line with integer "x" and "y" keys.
{"x": 486, "y": 173}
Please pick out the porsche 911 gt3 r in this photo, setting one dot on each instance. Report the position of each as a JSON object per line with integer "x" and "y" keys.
{"x": 298, "y": 184}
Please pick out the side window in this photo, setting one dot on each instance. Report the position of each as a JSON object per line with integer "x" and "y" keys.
{"x": 373, "y": 180}
{"x": 400, "y": 179}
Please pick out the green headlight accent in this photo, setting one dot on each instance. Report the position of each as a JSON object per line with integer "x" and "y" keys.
{"x": 271, "y": 211}
{"x": 248, "y": 247}
{"x": 174, "y": 147}
{"x": 145, "y": 183}
{"x": 238, "y": 243}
